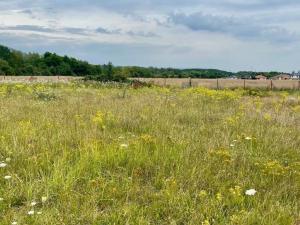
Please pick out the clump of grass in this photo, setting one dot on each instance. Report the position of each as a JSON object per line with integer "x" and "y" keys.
{"x": 256, "y": 92}
{"x": 45, "y": 96}
{"x": 154, "y": 156}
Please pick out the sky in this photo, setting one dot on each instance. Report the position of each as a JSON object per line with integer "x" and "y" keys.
{"x": 233, "y": 35}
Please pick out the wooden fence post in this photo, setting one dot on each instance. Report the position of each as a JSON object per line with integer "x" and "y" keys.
{"x": 190, "y": 81}
{"x": 244, "y": 84}
{"x": 271, "y": 84}
{"x": 218, "y": 84}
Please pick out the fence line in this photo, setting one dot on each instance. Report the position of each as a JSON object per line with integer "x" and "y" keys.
{"x": 223, "y": 83}
{"x": 177, "y": 82}
{"x": 38, "y": 79}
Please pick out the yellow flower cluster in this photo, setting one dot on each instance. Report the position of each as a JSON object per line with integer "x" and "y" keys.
{"x": 222, "y": 155}
{"x": 103, "y": 119}
{"x": 216, "y": 94}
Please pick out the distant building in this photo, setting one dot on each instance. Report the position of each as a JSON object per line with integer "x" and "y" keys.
{"x": 282, "y": 77}
{"x": 261, "y": 77}
{"x": 232, "y": 78}
{"x": 295, "y": 76}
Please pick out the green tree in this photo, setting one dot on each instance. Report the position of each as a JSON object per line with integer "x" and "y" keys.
{"x": 5, "y": 68}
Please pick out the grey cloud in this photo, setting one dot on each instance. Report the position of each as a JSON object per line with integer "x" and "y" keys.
{"x": 76, "y": 30}
{"x": 130, "y": 33}
{"x": 244, "y": 28}
{"x": 28, "y": 28}
{"x": 41, "y": 29}
{"x": 141, "y": 34}
{"x": 107, "y": 31}
{"x": 26, "y": 11}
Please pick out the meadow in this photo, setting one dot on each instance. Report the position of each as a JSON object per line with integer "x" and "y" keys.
{"x": 88, "y": 154}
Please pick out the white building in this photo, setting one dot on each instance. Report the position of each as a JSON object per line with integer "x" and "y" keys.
{"x": 295, "y": 76}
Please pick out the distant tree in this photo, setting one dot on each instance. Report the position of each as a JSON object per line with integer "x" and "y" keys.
{"x": 64, "y": 69}
{"x": 110, "y": 70}
{"x": 5, "y": 68}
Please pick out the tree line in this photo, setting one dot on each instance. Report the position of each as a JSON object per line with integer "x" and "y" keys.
{"x": 17, "y": 63}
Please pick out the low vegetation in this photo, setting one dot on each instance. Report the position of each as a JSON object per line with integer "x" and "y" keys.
{"x": 90, "y": 154}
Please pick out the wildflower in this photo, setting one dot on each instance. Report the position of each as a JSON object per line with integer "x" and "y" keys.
{"x": 7, "y": 177}
{"x": 39, "y": 213}
{"x": 236, "y": 191}
{"x": 31, "y": 212}
{"x": 219, "y": 197}
{"x": 1, "y": 199}
{"x": 2, "y": 165}
{"x": 14, "y": 223}
{"x": 268, "y": 117}
{"x": 44, "y": 199}
{"x": 8, "y": 159}
{"x": 124, "y": 145}
{"x": 251, "y": 192}
{"x": 147, "y": 138}
{"x": 248, "y": 138}
{"x": 121, "y": 137}
{"x": 202, "y": 194}
{"x": 234, "y": 140}
{"x": 232, "y": 145}
{"x": 206, "y": 222}
{"x": 33, "y": 203}
{"x": 99, "y": 119}
{"x": 274, "y": 168}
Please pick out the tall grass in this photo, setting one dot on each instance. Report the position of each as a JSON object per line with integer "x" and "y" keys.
{"x": 92, "y": 155}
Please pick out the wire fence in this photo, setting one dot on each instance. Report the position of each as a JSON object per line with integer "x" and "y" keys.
{"x": 223, "y": 83}
{"x": 38, "y": 79}
{"x": 176, "y": 82}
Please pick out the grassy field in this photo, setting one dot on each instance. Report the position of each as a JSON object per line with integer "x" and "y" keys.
{"x": 78, "y": 154}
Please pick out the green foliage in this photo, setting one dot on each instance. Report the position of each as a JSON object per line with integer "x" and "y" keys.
{"x": 258, "y": 93}
{"x": 44, "y": 95}
{"x": 152, "y": 72}
{"x": 252, "y": 75}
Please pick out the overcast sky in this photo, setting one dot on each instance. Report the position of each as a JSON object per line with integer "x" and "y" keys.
{"x": 261, "y": 35}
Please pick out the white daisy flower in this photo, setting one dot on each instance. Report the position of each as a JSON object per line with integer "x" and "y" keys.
{"x": 248, "y": 138}
{"x": 2, "y": 165}
{"x": 14, "y": 223}
{"x": 33, "y": 203}
{"x": 251, "y": 192}
{"x": 39, "y": 213}
{"x": 44, "y": 199}
{"x": 31, "y": 212}
{"x": 7, "y": 177}
{"x": 124, "y": 145}
{"x": 232, "y": 145}
{"x": 1, "y": 199}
